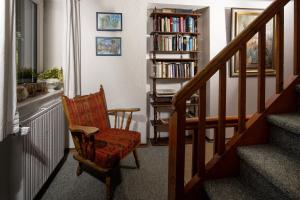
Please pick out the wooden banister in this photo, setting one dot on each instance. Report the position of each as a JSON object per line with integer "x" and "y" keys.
{"x": 296, "y": 37}
{"x": 261, "y": 86}
{"x": 201, "y": 132}
{"x": 213, "y": 66}
{"x": 242, "y": 89}
{"x": 179, "y": 124}
{"x": 220, "y": 143}
{"x": 279, "y": 29}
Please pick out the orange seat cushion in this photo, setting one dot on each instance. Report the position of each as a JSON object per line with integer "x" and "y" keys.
{"x": 112, "y": 145}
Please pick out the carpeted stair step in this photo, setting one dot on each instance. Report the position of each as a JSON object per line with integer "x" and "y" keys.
{"x": 229, "y": 189}
{"x": 276, "y": 172}
{"x": 285, "y": 131}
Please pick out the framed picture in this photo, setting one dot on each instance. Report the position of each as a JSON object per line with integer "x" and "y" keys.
{"x": 109, "y": 21}
{"x": 108, "y": 46}
{"x": 241, "y": 18}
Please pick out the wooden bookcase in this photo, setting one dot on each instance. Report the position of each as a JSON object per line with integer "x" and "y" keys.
{"x": 175, "y": 59}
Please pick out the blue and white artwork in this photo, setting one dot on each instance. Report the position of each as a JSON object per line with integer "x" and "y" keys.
{"x": 108, "y": 46}
{"x": 109, "y": 21}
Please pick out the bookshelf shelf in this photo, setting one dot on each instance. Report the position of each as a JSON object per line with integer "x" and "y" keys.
{"x": 173, "y": 52}
{"x": 162, "y": 14}
{"x": 173, "y": 33}
{"x": 175, "y": 78}
{"x": 175, "y": 57}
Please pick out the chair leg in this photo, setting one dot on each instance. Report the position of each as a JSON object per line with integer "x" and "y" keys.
{"x": 108, "y": 187}
{"x": 136, "y": 159}
{"x": 79, "y": 169}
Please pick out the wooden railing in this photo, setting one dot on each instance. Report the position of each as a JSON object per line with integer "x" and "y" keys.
{"x": 178, "y": 123}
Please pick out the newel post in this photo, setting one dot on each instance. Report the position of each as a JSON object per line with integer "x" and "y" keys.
{"x": 296, "y": 37}
{"x": 176, "y": 152}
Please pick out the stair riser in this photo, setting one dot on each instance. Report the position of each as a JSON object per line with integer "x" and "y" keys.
{"x": 285, "y": 140}
{"x": 264, "y": 188}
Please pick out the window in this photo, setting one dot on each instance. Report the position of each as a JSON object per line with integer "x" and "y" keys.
{"x": 26, "y": 40}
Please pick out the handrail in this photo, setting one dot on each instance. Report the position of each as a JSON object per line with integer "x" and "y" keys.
{"x": 225, "y": 54}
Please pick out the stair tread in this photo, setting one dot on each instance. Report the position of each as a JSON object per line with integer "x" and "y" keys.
{"x": 228, "y": 188}
{"x": 278, "y": 167}
{"x": 288, "y": 121}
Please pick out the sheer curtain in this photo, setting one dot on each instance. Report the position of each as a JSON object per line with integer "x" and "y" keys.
{"x": 72, "y": 58}
{"x": 8, "y": 100}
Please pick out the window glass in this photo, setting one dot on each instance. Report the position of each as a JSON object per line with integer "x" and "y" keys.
{"x": 26, "y": 40}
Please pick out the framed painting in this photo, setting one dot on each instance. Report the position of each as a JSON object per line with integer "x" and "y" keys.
{"x": 241, "y": 18}
{"x": 108, "y": 46}
{"x": 109, "y": 21}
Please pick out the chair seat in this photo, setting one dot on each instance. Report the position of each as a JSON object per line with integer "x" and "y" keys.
{"x": 112, "y": 145}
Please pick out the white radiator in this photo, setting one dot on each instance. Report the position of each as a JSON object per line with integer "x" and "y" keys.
{"x": 43, "y": 147}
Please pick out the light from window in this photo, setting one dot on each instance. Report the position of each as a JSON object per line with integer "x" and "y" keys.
{"x": 26, "y": 41}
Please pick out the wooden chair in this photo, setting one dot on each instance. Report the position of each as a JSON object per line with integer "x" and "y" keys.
{"x": 97, "y": 144}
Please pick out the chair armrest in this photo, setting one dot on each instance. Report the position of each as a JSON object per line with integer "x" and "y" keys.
{"x": 110, "y": 111}
{"x": 87, "y": 130}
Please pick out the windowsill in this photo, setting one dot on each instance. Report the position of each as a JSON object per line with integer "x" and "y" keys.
{"x": 32, "y": 105}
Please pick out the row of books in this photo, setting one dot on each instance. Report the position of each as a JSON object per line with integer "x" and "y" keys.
{"x": 175, "y": 43}
{"x": 175, "y": 24}
{"x": 175, "y": 70}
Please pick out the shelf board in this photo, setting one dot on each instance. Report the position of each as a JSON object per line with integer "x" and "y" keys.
{"x": 175, "y": 14}
{"x": 177, "y": 78}
{"x": 173, "y": 52}
{"x": 173, "y": 33}
{"x": 169, "y": 104}
{"x": 174, "y": 59}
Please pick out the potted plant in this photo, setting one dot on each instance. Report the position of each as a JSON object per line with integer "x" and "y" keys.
{"x": 53, "y": 78}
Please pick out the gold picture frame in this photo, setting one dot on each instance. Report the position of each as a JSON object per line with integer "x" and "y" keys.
{"x": 241, "y": 18}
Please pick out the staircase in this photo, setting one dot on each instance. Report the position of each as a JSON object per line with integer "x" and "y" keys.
{"x": 269, "y": 171}
{"x": 262, "y": 159}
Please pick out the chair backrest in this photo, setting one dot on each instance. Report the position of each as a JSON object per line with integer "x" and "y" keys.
{"x": 88, "y": 110}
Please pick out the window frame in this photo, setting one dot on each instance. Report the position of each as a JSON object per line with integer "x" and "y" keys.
{"x": 40, "y": 34}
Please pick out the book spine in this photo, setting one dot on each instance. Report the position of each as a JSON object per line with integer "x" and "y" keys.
{"x": 171, "y": 24}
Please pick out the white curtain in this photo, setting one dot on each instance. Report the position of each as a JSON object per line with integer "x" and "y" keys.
{"x": 8, "y": 100}
{"x": 72, "y": 57}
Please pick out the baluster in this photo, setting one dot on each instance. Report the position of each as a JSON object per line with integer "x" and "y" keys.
{"x": 261, "y": 69}
{"x": 176, "y": 151}
{"x": 279, "y": 50}
{"x": 296, "y": 37}
{"x": 242, "y": 89}
{"x": 195, "y": 152}
{"x": 222, "y": 111}
{"x": 201, "y": 133}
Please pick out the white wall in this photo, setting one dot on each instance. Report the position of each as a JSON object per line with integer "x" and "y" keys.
{"x": 53, "y": 33}
{"x": 125, "y": 77}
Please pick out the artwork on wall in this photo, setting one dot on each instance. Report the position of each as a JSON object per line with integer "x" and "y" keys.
{"x": 241, "y": 18}
{"x": 109, "y": 21}
{"x": 108, "y": 46}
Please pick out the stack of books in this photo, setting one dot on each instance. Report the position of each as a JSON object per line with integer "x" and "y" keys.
{"x": 175, "y": 43}
{"x": 175, "y": 70}
{"x": 175, "y": 24}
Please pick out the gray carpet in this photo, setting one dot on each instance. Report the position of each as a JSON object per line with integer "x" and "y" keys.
{"x": 147, "y": 183}
{"x": 270, "y": 171}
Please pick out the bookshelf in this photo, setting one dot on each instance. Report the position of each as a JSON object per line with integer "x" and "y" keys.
{"x": 175, "y": 58}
